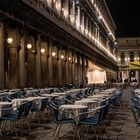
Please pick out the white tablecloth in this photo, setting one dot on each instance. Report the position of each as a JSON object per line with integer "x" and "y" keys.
{"x": 73, "y": 110}
{"x": 4, "y": 105}
{"x": 18, "y": 101}
{"x": 89, "y": 103}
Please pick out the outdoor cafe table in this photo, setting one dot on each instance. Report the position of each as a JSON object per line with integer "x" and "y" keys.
{"x": 18, "y": 101}
{"x": 2, "y": 95}
{"x": 99, "y": 96}
{"x": 137, "y": 90}
{"x": 14, "y": 90}
{"x": 59, "y": 93}
{"x": 36, "y": 98}
{"x": 4, "y": 105}
{"x": 72, "y": 91}
{"x": 31, "y": 92}
{"x": 37, "y": 101}
{"x": 73, "y": 110}
{"x": 49, "y": 95}
{"x": 89, "y": 103}
{"x": 46, "y": 90}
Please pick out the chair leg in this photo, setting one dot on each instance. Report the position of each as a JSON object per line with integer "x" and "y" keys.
{"x": 137, "y": 134}
{"x": 20, "y": 126}
{"x": 28, "y": 124}
{"x": 95, "y": 133}
{"x": 57, "y": 131}
{"x": 0, "y": 128}
{"x": 77, "y": 133}
{"x": 14, "y": 126}
{"x": 4, "y": 125}
{"x": 99, "y": 131}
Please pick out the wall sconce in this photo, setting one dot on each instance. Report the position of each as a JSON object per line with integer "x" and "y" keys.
{"x": 33, "y": 51}
{"x": 82, "y": 27}
{"x": 116, "y": 42}
{"x": 119, "y": 59}
{"x": 62, "y": 9}
{"x": 42, "y": 50}
{"x": 29, "y": 46}
{"x": 100, "y": 17}
{"x": 62, "y": 56}
{"x": 9, "y": 40}
{"x": 53, "y": 54}
{"x": 69, "y": 58}
{"x": 65, "y": 13}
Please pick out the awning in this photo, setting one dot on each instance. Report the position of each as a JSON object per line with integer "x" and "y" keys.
{"x": 134, "y": 65}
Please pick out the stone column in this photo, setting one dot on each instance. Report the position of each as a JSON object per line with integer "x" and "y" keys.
{"x": 2, "y": 80}
{"x": 72, "y": 72}
{"x": 13, "y": 67}
{"x": 78, "y": 17}
{"x": 82, "y": 22}
{"x": 86, "y": 26}
{"x": 72, "y": 12}
{"x": 55, "y": 69}
{"x": 58, "y": 6}
{"x": 31, "y": 69}
{"x": 50, "y": 69}
{"x": 60, "y": 67}
{"x": 22, "y": 69}
{"x": 67, "y": 70}
{"x": 31, "y": 64}
{"x": 96, "y": 35}
{"x": 50, "y": 3}
{"x": 44, "y": 65}
{"x": 75, "y": 69}
{"x": 38, "y": 63}
{"x": 80, "y": 70}
{"x": 66, "y": 9}
{"x": 84, "y": 69}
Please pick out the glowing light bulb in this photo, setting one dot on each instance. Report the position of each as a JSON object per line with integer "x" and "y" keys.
{"x": 42, "y": 50}
{"x": 53, "y": 54}
{"x": 9, "y": 40}
{"x": 29, "y": 46}
{"x": 62, "y": 56}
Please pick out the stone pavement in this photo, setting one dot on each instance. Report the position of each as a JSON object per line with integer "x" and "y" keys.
{"x": 121, "y": 127}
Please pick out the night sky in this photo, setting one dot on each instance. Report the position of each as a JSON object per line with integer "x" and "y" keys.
{"x": 126, "y": 15}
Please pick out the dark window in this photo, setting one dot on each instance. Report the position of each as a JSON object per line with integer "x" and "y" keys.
{"x": 122, "y": 58}
{"x": 131, "y": 56}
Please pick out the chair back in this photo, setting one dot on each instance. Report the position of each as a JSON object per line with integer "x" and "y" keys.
{"x": 136, "y": 113}
{"x": 44, "y": 104}
{"x": 113, "y": 99}
{"x": 135, "y": 101}
{"x": 55, "y": 110}
{"x": 21, "y": 110}
{"x": 101, "y": 113}
{"x": 104, "y": 115}
{"x": 28, "y": 106}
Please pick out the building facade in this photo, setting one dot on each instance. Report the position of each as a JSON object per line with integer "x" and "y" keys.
{"x": 128, "y": 51}
{"x": 51, "y": 42}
